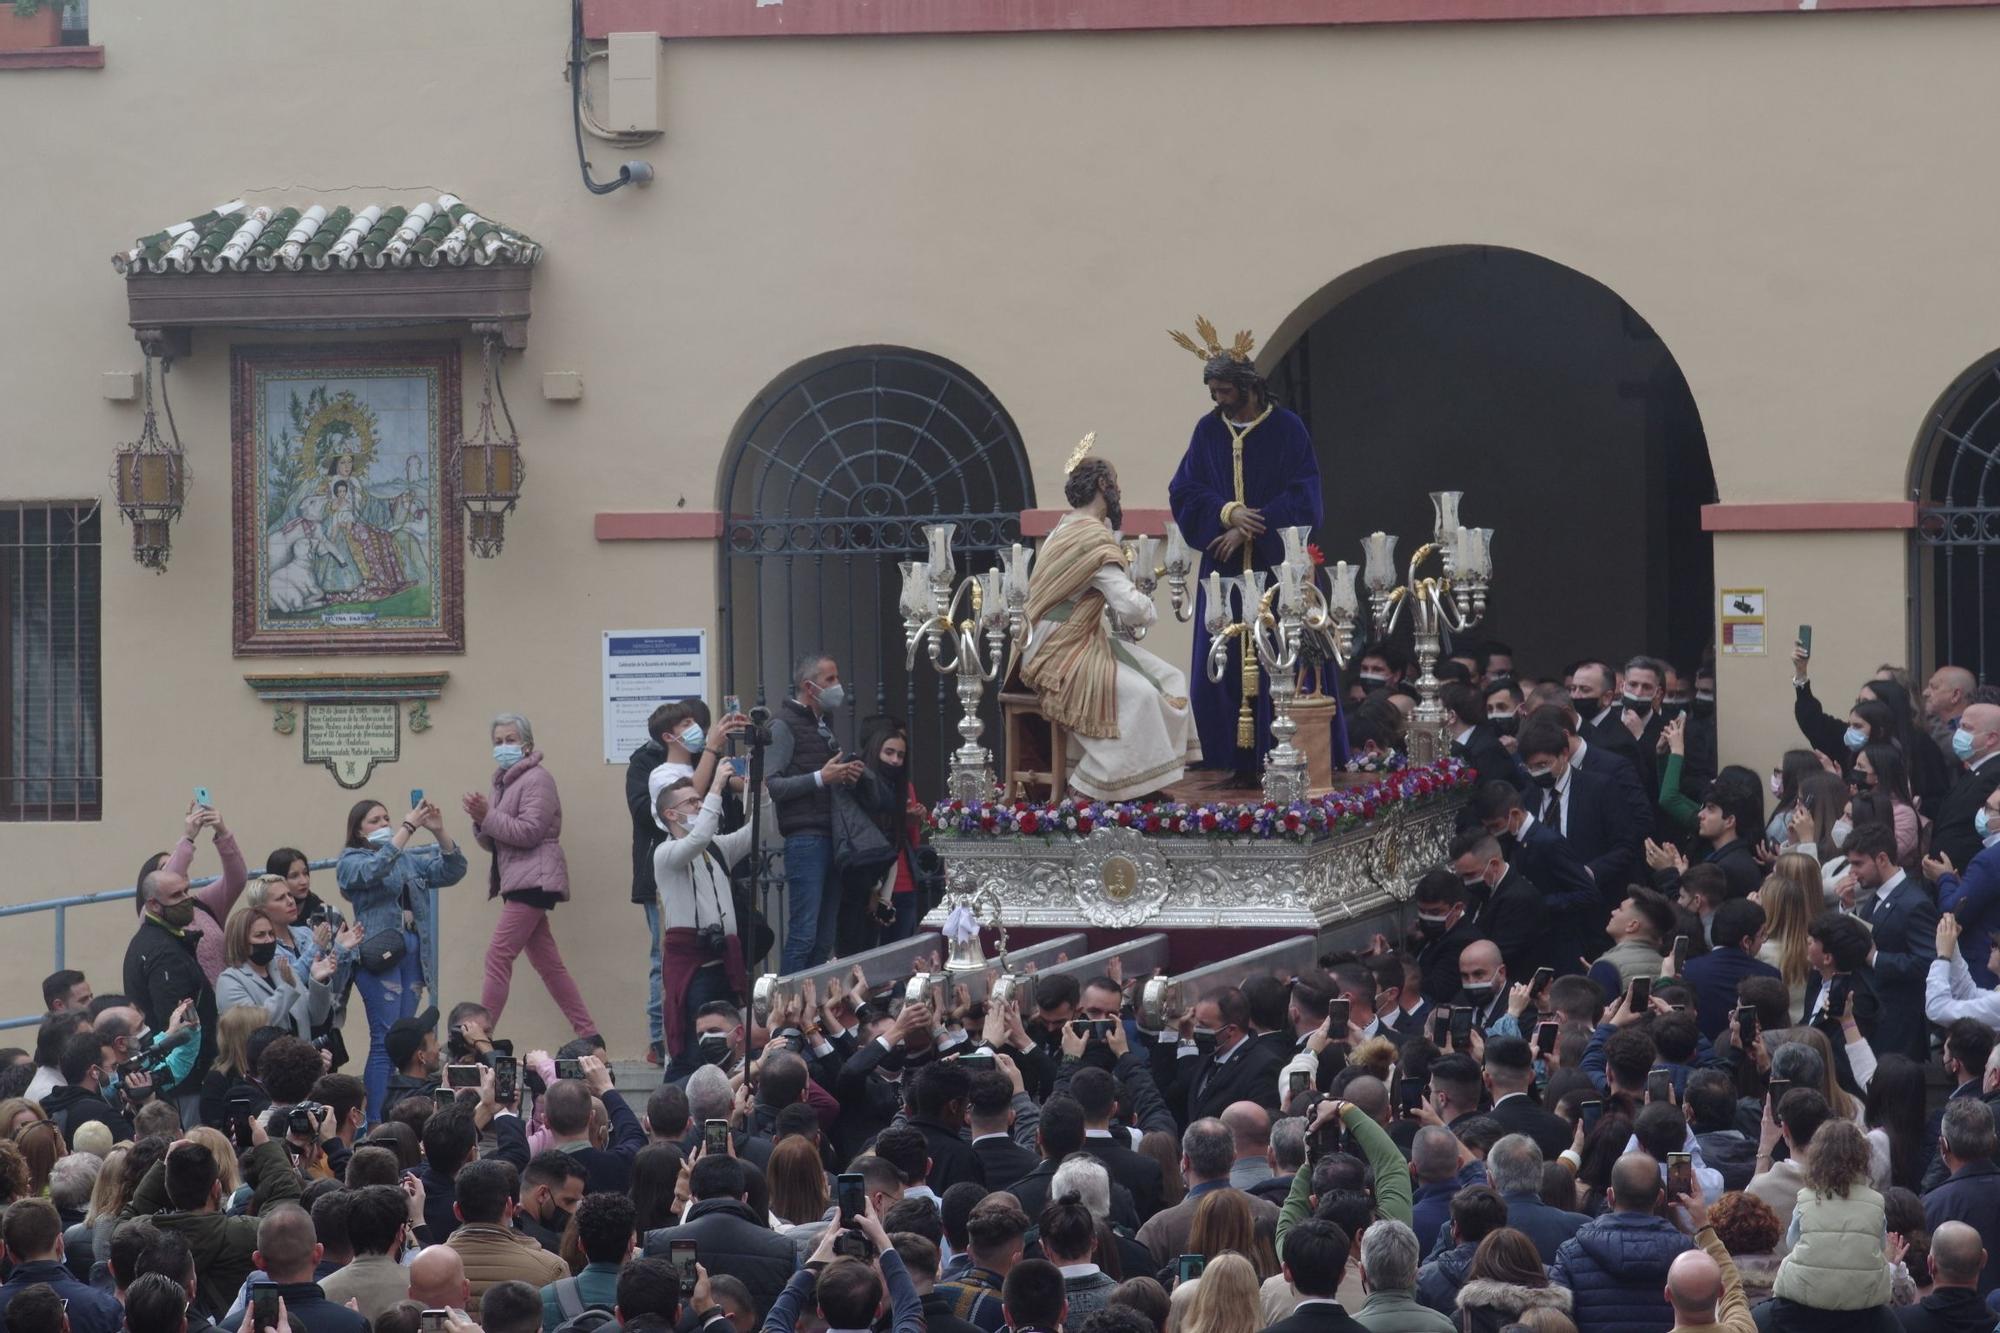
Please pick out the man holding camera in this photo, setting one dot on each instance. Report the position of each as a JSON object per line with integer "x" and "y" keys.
{"x": 805, "y": 764}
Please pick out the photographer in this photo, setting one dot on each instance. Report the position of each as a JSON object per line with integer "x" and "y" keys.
{"x": 848, "y": 1291}
{"x": 701, "y": 957}
{"x": 82, "y": 1099}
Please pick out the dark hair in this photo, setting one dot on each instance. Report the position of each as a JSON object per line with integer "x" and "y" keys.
{"x": 129, "y": 1240}
{"x": 154, "y": 1303}
{"x": 848, "y": 1293}
{"x": 169, "y": 1255}
{"x": 1893, "y": 1102}
{"x": 994, "y": 1224}
{"x": 916, "y": 1217}
{"x": 1541, "y": 737}
{"x": 937, "y": 1086}
{"x": 399, "y": 1137}
{"x": 1660, "y": 1128}
{"x": 1062, "y": 1127}
{"x": 1492, "y": 800}
{"x": 1439, "y": 888}
{"x": 1230, "y": 1006}
{"x": 1843, "y": 937}
{"x": 918, "y": 1252}
{"x": 955, "y": 1210}
{"x": 1738, "y": 794}
{"x": 57, "y": 986}
{"x": 54, "y": 1033}
{"x": 1675, "y": 1035}
{"x": 1068, "y": 1229}
{"x": 1710, "y": 1098}
{"x": 375, "y": 1218}
{"x": 1511, "y": 1054}
{"x": 991, "y": 1094}
{"x": 1474, "y": 841}
{"x": 905, "y": 1148}
{"x": 1507, "y": 1255}
{"x": 510, "y": 1307}
{"x": 449, "y": 1138}
{"x": 604, "y": 1227}
{"x": 1141, "y": 1297}
{"x": 1316, "y": 1253}
{"x": 649, "y": 1287}
{"x": 83, "y": 1050}
{"x": 1770, "y": 998}
{"x": 554, "y": 1168}
{"x": 1476, "y": 1212}
{"x": 288, "y": 1069}
{"x": 355, "y": 814}
{"x": 408, "y": 1316}
{"x": 191, "y": 1175}
{"x": 1095, "y": 1090}
{"x": 1032, "y": 1294}
{"x": 1800, "y": 1113}
{"x": 484, "y": 1188}
{"x": 1056, "y": 991}
{"x": 655, "y": 1173}
{"x": 717, "y": 1178}
{"x": 1267, "y": 996}
{"x": 672, "y": 713}
{"x": 1629, "y": 1054}
{"x": 1086, "y": 481}
{"x": 1465, "y": 702}
{"x": 1577, "y": 997}
{"x": 1736, "y": 921}
{"x": 667, "y": 1111}
{"x": 31, "y": 1228}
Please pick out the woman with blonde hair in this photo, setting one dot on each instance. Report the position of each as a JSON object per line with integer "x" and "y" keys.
{"x": 294, "y": 996}
{"x": 233, "y": 1027}
{"x": 1791, "y": 897}
{"x": 1223, "y": 1299}
{"x": 218, "y": 1143}
{"x": 42, "y": 1146}
{"x": 1827, "y": 1084}
{"x": 17, "y": 1113}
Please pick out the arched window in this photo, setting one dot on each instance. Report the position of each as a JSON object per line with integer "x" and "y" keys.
{"x": 1956, "y": 484}
{"x": 831, "y": 476}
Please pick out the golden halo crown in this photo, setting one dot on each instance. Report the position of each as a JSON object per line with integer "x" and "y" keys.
{"x": 1078, "y": 454}
{"x": 1208, "y": 349}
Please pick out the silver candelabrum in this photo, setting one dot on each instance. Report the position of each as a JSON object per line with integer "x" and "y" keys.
{"x": 984, "y": 617}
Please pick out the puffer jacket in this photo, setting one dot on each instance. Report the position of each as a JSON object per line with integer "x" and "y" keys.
{"x": 523, "y": 822}
{"x": 1439, "y": 1280}
{"x": 1616, "y": 1269}
{"x": 494, "y": 1254}
{"x": 1486, "y": 1306}
{"x": 1837, "y": 1262}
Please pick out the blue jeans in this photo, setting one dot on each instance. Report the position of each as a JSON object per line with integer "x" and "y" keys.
{"x": 808, "y": 930}
{"x": 387, "y": 996}
{"x": 654, "y": 1032}
{"x": 708, "y": 983}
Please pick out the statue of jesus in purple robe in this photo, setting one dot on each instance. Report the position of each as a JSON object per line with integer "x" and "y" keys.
{"x": 1249, "y": 471}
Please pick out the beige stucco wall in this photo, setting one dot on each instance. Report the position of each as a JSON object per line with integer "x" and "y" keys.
{"x": 1785, "y": 199}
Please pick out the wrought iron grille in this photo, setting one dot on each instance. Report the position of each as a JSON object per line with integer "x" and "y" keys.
{"x": 1957, "y": 486}
{"x": 51, "y": 749}
{"x": 836, "y": 469}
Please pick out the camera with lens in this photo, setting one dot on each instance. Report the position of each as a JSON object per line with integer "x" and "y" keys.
{"x": 711, "y": 939}
{"x": 853, "y": 1244}
{"x": 302, "y": 1120}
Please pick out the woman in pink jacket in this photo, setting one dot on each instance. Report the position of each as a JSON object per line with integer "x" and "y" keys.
{"x": 520, "y": 824}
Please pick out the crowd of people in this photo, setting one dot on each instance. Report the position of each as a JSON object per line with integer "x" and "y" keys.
{"x": 1668, "y": 1046}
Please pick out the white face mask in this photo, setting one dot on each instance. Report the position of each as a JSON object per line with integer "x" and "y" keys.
{"x": 382, "y": 835}
{"x": 1841, "y": 828}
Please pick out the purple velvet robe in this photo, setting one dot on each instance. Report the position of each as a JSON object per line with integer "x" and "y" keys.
{"x": 1281, "y": 481}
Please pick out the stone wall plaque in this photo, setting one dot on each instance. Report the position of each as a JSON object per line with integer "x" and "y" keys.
{"x": 351, "y": 738}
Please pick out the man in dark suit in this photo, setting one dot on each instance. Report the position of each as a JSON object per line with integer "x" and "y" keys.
{"x": 1237, "y": 1069}
{"x": 1059, "y": 1134}
{"x": 1509, "y": 908}
{"x": 566, "y": 1111}
{"x": 1550, "y": 864}
{"x": 1903, "y": 922}
{"x": 1842, "y": 983}
{"x": 1639, "y": 717}
{"x": 1445, "y": 925}
{"x": 1514, "y": 1167}
{"x": 1976, "y": 744}
{"x": 1967, "y": 1045}
{"x": 1592, "y": 810}
{"x": 1473, "y": 738}
{"x": 1593, "y": 690}
{"x": 1731, "y": 822}
{"x": 992, "y": 1112}
{"x": 937, "y": 1100}
{"x": 1096, "y": 1091}
{"x": 1716, "y": 974}
{"x": 1510, "y": 1072}
{"x": 1315, "y": 1260}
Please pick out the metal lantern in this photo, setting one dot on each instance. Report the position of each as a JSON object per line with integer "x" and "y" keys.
{"x": 490, "y": 467}
{"x": 149, "y": 479}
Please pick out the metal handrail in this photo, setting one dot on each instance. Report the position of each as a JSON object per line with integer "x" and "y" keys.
{"x": 61, "y": 906}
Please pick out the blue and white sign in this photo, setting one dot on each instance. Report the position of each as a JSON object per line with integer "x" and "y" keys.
{"x": 643, "y": 668}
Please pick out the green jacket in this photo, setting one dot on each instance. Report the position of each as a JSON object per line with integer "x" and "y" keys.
{"x": 1385, "y": 1160}
{"x": 222, "y": 1244}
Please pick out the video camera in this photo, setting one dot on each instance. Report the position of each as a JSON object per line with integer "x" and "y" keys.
{"x": 152, "y": 1058}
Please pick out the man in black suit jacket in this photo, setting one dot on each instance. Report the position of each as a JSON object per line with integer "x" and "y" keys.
{"x": 566, "y": 1111}
{"x": 1060, "y": 1133}
{"x": 1510, "y": 1072}
{"x": 1902, "y": 919}
{"x": 1445, "y": 925}
{"x": 1843, "y": 983}
{"x": 937, "y": 1099}
{"x": 1953, "y": 833}
{"x": 1096, "y": 1091}
{"x": 1511, "y": 913}
{"x": 1473, "y": 738}
{"x": 1542, "y": 854}
{"x": 992, "y": 1113}
{"x": 1237, "y": 1069}
{"x": 1601, "y": 820}
{"x": 1593, "y": 690}
{"x": 1315, "y": 1260}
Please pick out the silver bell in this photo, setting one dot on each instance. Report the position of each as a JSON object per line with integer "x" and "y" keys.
{"x": 965, "y": 955}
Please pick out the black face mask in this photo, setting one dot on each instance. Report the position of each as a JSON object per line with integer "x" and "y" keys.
{"x": 1430, "y": 929}
{"x": 1478, "y": 997}
{"x": 1588, "y": 708}
{"x": 1546, "y": 781}
{"x": 714, "y": 1048}
{"x": 1637, "y": 707}
{"x": 1703, "y": 708}
{"x": 262, "y": 954}
{"x": 1507, "y": 725}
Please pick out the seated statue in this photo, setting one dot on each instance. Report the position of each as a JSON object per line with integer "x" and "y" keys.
{"x": 1126, "y": 710}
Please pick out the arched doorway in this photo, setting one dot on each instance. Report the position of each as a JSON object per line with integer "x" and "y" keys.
{"x": 1557, "y": 410}
{"x": 830, "y": 477}
{"x": 1956, "y": 483}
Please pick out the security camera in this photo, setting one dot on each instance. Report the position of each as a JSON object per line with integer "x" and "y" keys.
{"x": 638, "y": 173}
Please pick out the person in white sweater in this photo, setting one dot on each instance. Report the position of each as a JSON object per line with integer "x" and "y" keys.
{"x": 256, "y": 973}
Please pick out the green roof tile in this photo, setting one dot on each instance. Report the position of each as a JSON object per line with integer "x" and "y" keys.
{"x": 237, "y": 238}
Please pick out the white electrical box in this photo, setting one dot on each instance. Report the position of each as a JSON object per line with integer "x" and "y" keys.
{"x": 638, "y": 87}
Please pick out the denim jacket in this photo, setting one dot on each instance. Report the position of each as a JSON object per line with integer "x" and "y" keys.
{"x": 374, "y": 879}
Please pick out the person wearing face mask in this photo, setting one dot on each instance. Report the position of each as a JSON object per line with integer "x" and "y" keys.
{"x": 679, "y": 745}
{"x": 804, "y": 763}
{"x": 294, "y": 997}
{"x": 1593, "y": 689}
{"x": 1588, "y": 795}
{"x": 1508, "y": 909}
{"x": 1235, "y": 1068}
{"x": 388, "y": 884}
{"x": 1882, "y": 711}
{"x": 1502, "y": 698}
{"x": 1550, "y": 864}
{"x": 1380, "y": 666}
{"x": 1444, "y": 926}
{"x": 1972, "y": 897}
{"x": 701, "y": 954}
{"x": 1640, "y": 716}
{"x": 1473, "y": 738}
{"x": 520, "y": 823}
{"x": 162, "y": 972}
{"x": 1976, "y": 744}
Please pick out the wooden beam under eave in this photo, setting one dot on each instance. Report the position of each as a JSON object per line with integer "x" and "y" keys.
{"x": 486, "y": 299}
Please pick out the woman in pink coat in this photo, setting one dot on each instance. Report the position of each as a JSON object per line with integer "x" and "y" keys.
{"x": 520, "y": 824}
